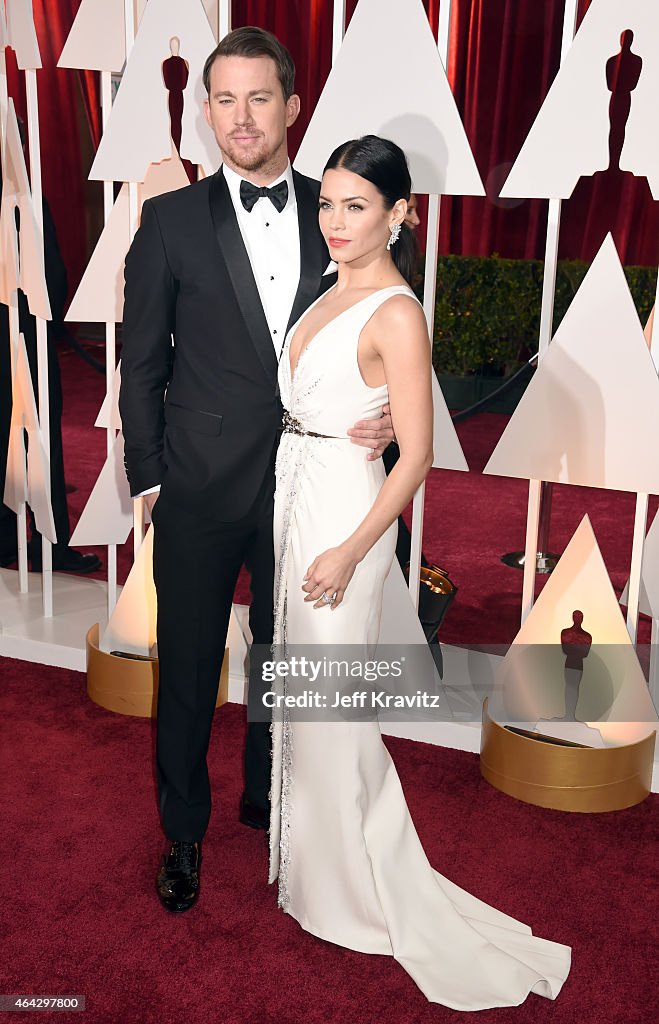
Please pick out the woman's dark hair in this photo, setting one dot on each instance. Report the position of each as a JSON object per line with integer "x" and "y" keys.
{"x": 384, "y": 164}
{"x": 254, "y": 42}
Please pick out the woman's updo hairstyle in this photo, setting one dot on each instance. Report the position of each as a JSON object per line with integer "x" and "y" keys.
{"x": 384, "y": 164}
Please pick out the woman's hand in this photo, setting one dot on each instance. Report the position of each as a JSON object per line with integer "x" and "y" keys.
{"x": 329, "y": 574}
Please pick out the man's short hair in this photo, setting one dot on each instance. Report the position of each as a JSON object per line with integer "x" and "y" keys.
{"x": 255, "y": 42}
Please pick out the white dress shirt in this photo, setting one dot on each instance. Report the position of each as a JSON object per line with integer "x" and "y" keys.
{"x": 272, "y": 240}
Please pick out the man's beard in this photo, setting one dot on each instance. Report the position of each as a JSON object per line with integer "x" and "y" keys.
{"x": 251, "y": 161}
{"x": 247, "y": 161}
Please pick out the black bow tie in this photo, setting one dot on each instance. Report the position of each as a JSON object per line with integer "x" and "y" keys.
{"x": 250, "y": 195}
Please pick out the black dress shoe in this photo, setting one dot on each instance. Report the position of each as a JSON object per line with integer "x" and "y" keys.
{"x": 252, "y": 815}
{"x": 178, "y": 877}
{"x": 68, "y": 560}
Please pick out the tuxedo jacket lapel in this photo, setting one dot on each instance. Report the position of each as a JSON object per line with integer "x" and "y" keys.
{"x": 313, "y": 252}
{"x": 240, "y": 271}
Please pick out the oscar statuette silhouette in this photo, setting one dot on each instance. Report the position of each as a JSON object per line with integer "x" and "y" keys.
{"x": 175, "y": 73}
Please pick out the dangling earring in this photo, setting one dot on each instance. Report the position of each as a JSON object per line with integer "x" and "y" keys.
{"x": 394, "y": 236}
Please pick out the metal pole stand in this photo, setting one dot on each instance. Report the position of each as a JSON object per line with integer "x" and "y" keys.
{"x": 545, "y": 562}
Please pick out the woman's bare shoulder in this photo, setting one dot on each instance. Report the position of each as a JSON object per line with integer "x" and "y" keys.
{"x": 400, "y": 313}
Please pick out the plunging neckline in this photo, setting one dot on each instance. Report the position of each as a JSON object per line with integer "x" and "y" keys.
{"x": 305, "y": 349}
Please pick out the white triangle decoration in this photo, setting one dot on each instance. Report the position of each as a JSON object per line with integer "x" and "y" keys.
{"x": 4, "y": 34}
{"x": 388, "y": 79}
{"x": 107, "y": 518}
{"x": 109, "y": 416}
{"x": 33, "y": 487}
{"x": 16, "y": 192}
{"x": 22, "y": 34}
{"x": 649, "y": 593}
{"x": 238, "y": 642}
{"x": 594, "y": 394}
{"x": 16, "y": 489}
{"x": 132, "y": 626}
{"x": 167, "y": 176}
{"x": 569, "y": 137}
{"x": 97, "y": 40}
{"x": 138, "y": 132}
{"x": 9, "y": 272}
{"x": 100, "y": 294}
{"x": 399, "y": 623}
{"x": 446, "y": 445}
{"x": 612, "y": 689}
{"x": 212, "y": 8}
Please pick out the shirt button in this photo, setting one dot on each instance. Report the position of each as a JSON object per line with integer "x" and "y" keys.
{"x": 267, "y": 223}
{"x": 274, "y": 332}
{"x": 272, "y": 277}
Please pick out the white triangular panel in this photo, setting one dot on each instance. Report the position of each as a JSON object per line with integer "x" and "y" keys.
{"x": 212, "y": 8}
{"x": 100, "y": 294}
{"x": 107, "y": 518}
{"x": 649, "y": 594}
{"x": 138, "y": 132}
{"x": 532, "y": 675}
{"x": 132, "y": 626}
{"x": 647, "y": 330}
{"x": 16, "y": 192}
{"x": 4, "y": 35}
{"x": 97, "y": 40}
{"x": 167, "y": 176}
{"x": 9, "y": 272}
{"x": 238, "y": 643}
{"x": 446, "y": 445}
{"x": 24, "y": 415}
{"x": 22, "y": 34}
{"x": 594, "y": 394}
{"x": 38, "y": 465}
{"x": 569, "y": 137}
{"x": 16, "y": 491}
{"x": 388, "y": 79}
{"x": 109, "y": 415}
{"x": 399, "y": 623}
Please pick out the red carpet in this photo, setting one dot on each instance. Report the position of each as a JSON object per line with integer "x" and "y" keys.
{"x": 80, "y": 914}
{"x": 470, "y": 521}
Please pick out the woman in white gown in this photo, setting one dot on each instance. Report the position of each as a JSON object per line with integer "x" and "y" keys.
{"x": 349, "y": 863}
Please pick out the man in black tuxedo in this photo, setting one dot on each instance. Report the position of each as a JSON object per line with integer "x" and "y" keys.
{"x": 215, "y": 276}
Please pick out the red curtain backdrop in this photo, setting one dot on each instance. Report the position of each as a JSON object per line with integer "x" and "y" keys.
{"x": 305, "y": 28}
{"x": 503, "y": 57}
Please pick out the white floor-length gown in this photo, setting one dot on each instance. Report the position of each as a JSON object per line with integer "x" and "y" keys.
{"x": 350, "y": 865}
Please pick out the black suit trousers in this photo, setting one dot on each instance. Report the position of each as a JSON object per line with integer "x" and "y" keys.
{"x": 196, "y": 562}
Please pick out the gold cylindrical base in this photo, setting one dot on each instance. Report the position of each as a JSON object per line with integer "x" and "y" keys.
{"x": 587, "y": 779}
{"x": 129, "y": 686}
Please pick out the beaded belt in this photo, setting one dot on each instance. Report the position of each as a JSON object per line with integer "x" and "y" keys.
{"x": 291, "y": 425}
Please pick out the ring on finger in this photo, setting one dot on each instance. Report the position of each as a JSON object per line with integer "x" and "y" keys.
{"x": 326, "y": 599}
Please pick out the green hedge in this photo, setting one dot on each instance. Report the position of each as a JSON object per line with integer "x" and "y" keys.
{"x": 487, "y": 313}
